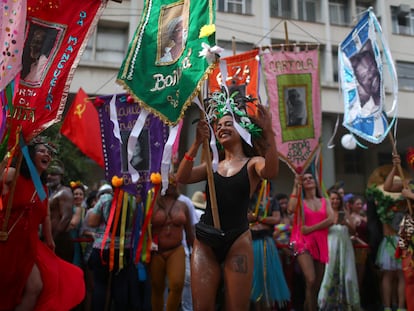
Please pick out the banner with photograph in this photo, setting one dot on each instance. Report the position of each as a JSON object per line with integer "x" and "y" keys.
{"x": 293, "y": 91}
{"x": 361, "y": 72}
{"x": 166, "y": 60}
{"x": 149, "y": 146}
{"x": 54, "y": 41}
{"x": 242, "y": 75}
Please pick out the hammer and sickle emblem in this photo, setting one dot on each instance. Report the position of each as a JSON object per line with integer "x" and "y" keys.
{"x": 80, "y": 109}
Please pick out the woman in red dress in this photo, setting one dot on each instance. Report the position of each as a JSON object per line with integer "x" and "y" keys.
{"x": 32, "y": 276}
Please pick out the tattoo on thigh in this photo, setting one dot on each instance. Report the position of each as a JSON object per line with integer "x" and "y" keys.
{"x": 239, "y": 263}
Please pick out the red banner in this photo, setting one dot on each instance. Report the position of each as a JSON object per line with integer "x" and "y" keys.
{"x": 242, "y": 74}
{"x": 54, "y": 41}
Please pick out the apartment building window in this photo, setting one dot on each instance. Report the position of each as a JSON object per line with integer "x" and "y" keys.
{"x": 338, "y": 12}
{"x": 281, "y": 8}
{"x": 402, "y": 19}
{"x": 362, "y": 6}
{"x": 235, "y": 6}
{"x": 307, "y": 10}
{"x": 108, "y": 44}
{"x": 405, "y": 72}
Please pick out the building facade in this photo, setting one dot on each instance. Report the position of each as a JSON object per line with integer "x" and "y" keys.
{"x": 246, "y": 24}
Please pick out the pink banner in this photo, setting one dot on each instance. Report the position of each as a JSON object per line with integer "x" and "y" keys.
{"x": 293, "y": 90}
{"x": 12, "y": 21}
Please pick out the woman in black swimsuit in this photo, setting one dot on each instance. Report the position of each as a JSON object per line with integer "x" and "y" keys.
{"x": 240, "y": 169}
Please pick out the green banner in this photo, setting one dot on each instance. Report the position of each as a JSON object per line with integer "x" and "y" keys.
{"x": 163, "y": 68}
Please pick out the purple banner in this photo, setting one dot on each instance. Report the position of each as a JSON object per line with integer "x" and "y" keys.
{"x": 149, "y": 147}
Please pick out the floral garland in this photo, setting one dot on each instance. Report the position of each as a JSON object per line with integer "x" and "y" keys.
{"x": 386, "y": 205}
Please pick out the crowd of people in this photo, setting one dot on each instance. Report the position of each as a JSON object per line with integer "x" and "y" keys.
{"x": 238, "y": 244}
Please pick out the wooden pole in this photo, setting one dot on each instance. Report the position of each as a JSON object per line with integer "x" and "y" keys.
{"x": 4, "y": 233}
{"x": 206, "y": 156}
{"x": 400, "y": 171}
{"x": 286, "y": 33}
{"x": 233, "y": 45}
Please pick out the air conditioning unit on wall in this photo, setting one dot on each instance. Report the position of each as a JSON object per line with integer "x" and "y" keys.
{"x": 404, "y": 9}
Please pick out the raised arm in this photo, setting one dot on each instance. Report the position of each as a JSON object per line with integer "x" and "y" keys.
{"x": 296, "y": 192}
{"x": 389, "y": 184}
{"x": 269, "y": 167}
{"x": 187, "y": 173}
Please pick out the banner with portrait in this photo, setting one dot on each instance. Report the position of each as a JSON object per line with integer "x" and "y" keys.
{"x": 242, "y": 75}
{"x": 293, "y": 91}
{"x": 361, "y": 72}
{"x": 165, "y": 65}
{"x": 54, "y": 41}
{"x": 149, "y": 146}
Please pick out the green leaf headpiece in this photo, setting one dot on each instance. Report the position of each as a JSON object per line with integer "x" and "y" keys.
{"x": 219, "y": 105}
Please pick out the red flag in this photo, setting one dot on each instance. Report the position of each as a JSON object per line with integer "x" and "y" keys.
{"x": 81, "y": 127}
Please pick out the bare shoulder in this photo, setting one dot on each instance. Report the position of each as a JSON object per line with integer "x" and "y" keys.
{"x": 254, "y": 162}
{"x": 10, "y": 173}
{"x": 63, "y": 193}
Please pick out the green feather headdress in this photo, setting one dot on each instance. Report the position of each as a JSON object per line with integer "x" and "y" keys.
{"x": 219, "y": 104}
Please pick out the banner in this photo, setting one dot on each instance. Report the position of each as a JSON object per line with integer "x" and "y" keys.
{"x": 242, "y": 75}
{"x": 149, "y": 146}
{"x": 81, "y": 127}
{"x": 293, "y": 92}
{"x": 165, "y": 64}
{"x": 362, "y": 81}
{"x": 55, "y": 40}
{"x": 12, "y": 21}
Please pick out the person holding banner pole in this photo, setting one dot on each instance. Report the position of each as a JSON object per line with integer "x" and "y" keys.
{"x": 309, "y": 239}
{"x": 240, "y": 169}
{"x": 32, "y": 276}
{"x": 405, "y": 248}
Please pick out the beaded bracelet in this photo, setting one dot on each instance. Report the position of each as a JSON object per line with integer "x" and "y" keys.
{"x": 188, "y": 157}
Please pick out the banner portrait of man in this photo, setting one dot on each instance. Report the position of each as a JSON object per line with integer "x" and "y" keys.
{"x": 368, "y": 79}
{"x": 172, "y": 35}
{"x": 295, "y": 106}
{"x": 40, "y": 47}
{"x": 140, "y": 157}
